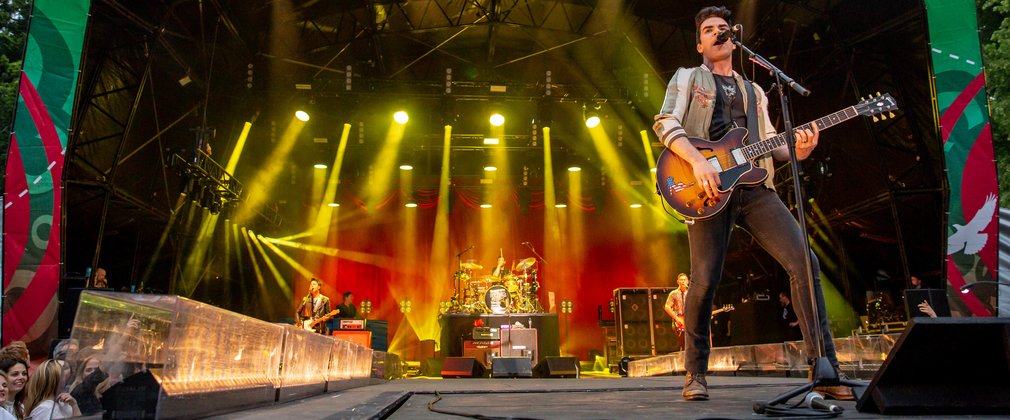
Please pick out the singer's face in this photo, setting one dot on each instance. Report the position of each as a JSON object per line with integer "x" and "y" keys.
{"x": 710, "y": 28}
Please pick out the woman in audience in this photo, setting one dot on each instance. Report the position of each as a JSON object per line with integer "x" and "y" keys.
{"x": 88, "y": 376}
{"x": 17, "y": 377}
{"x": 4, "y": 414}
{"x": 44, "y": 396}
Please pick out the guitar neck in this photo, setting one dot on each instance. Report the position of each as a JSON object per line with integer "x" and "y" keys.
{"x": 754, "y": 150}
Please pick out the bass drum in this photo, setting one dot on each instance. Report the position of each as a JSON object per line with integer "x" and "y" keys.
{"x": 497, "y": 299}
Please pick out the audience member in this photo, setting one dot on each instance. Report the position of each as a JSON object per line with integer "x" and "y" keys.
{"x": 17, "y": 376}
{"x": 65, "y": 349}
{"x": 15, "y": 350}
{"x": 44, "y": 395}
{"x": 4, "y": 413}
{"x": 88, "y": 378}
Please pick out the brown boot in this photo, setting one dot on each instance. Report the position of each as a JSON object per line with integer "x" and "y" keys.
{"x": 836, "y": 392}
{"x": 695, "y": 387}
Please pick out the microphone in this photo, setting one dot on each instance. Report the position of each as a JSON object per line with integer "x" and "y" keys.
{"x": 525, "y": 243}
{"x": 727, "y": 35}
{"x": 816, "y": 401}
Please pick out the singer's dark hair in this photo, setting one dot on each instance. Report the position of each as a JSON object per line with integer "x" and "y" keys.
{"x": 346, "y": 294}
{"x": 711, "y": 11}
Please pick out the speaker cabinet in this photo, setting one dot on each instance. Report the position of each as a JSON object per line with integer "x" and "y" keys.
{"x": 461, "y": 367}
{"x": 482, "y": 350}
{"x": 519, "y": 342}
{"x": 944, "y": 366}
{"x": 557, "y": 367}
{"x": 511, "y": 367}
{"x": 643, "y": 326}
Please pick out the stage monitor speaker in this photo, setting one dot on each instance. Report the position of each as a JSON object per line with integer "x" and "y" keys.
{"x": 557, "y": 367}
{"x": 511, "y": 367}
{"x": 944, "y": 366}
{"x": 461, "y": 367}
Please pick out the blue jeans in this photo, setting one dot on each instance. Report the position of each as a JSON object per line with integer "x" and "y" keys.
{"x": 762, "y": 213}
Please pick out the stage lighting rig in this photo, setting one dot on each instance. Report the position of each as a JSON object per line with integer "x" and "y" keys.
{"x": 217, "y": 188}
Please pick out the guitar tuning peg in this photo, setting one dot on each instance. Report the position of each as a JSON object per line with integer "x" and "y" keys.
{"x": 862, "y": 99}
{"x": 875, "y": 119}
{"x": 890, "y": 114}
{"x": 878, "y": 93}
{"x": 883, "y": 117}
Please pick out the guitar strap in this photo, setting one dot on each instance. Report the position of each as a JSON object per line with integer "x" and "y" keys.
{"x": 753, "y": 126}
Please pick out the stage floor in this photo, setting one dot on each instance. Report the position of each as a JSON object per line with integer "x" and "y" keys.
{"x": 584, "y": 398}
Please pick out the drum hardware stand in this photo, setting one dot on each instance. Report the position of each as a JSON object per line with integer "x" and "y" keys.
{"x": 537, "y": 307}
{"x": 823, "y": 373}
{"x": 454, "y": 302}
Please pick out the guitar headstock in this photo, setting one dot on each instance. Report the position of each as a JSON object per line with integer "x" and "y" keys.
{"x": 727, "y": 308}
{"x": 877, "y": 105}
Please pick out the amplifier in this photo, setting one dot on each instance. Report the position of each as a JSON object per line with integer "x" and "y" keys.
{"x": 482, "y": 350}
{"x": 352, "y": 324}
{"x": 486, "y": 333}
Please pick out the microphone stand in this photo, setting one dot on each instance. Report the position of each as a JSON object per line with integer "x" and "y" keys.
{"x": 536, "y": 278}
{"x": 823, "y": 373}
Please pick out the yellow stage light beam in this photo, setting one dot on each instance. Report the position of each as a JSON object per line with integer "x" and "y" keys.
{"x": 238, "y": 255}
{"x": 179, "y": 203}
{"x": 239, "y": 145}
{"x": 439, "y": 260}
{"x": 616, "y": 168}
{"x": 281, "y": 282}
{"x": 262, "y": 184}
{"x": 301, "y": 269}
{"x": 576, "y": 225}
{"x": 552, "y": 229}
{"x": 385, "y": 165}
{"x": 198, "y": 254}
{"x": 264, "y": 296}
{"x": 647, "y": 144}
{"x": 226, "y": 237}
{"x": 381, "y": 261}
{"x": 325, "y": 212}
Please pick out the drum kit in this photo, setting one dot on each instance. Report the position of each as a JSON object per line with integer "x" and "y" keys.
{"x": 511, "y": 291}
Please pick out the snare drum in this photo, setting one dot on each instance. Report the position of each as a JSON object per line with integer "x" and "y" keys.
{"x": 497, "y": 299}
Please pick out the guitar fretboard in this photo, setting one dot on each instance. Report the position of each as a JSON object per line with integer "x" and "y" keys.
{"x": 752, "y": 151}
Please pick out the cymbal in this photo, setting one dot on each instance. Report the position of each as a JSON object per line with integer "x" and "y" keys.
{"x": 527, "y": 263}
{"x": 472, "y": 266}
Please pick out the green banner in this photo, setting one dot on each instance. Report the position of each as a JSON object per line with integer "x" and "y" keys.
{"x": 968, "y": 151}
{"x": 31, "y": 243}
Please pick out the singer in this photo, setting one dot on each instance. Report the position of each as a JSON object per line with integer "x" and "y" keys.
{"x": 706, "y": 102}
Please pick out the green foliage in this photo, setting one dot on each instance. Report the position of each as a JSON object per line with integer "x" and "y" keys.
{"x": 13, "y": 33}
{"x": 994, "y": 18}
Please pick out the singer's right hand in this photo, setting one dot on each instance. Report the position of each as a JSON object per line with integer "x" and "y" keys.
{"x": 707, "y": 178}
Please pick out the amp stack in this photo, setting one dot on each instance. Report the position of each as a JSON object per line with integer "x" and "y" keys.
{"x": 643, "y": 327}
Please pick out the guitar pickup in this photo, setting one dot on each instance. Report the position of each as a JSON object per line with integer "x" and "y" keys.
{"x": 738, "y": 156}
{"x": 714, "y": 161}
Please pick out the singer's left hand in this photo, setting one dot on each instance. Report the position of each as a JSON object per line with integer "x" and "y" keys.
{"x": 806, "y": 141}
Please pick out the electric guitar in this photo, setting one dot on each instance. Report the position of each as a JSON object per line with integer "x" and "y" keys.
{"x": 680, "y": 327}
{"x": 735, "y": 158}
{"x": 310, "y": 324}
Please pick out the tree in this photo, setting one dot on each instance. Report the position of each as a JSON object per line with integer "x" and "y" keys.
{"x": 13, "y": 33}
{"x": 994, "y": 28}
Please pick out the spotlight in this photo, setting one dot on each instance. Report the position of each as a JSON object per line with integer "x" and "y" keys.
{"x": 574, "y": 169}
{"x": 490, "y": 168}
{"x": 592, "y": 119}
{"x": 497, "y": 119}
{"x": 636, "y": 206}
{"x": 491, "y": 140}
{"x": 410, "y": 205}
{"x": 333, "y": 204}
{"x": 320, "y": 166}
{"x": 561, "y": 206}
{"x": 406, "y": 168}
{"x": 485, "y": 206}
{"x": 400, "y": 117}
{"x": 302, "y": 115}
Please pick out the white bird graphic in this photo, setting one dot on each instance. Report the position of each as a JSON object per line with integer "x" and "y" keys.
{"x": 970, "y": 237}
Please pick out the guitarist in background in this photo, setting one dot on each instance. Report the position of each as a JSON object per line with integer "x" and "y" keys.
{"x": 675, "y": 307}
{"x": 705, "y": 102}
{"x": 314, "y": 307}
